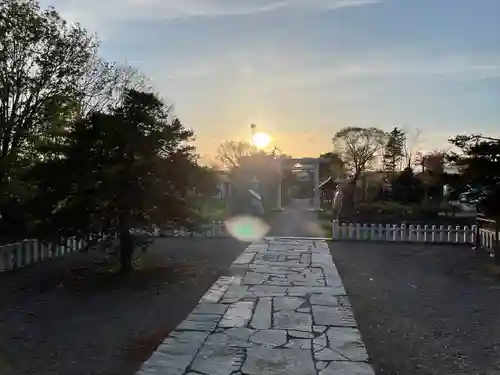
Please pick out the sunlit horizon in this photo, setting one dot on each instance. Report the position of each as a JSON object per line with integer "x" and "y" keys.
{"x": 305, "y": 69}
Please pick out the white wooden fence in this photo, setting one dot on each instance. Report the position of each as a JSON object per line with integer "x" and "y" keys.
{"x": 26, "y": 252}
{"x": 413, "y": 233}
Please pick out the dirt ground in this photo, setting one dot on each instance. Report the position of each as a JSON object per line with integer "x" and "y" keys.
{"x": 71, "y": 317}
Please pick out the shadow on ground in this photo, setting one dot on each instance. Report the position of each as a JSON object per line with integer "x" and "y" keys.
{"x": 71, "y": 316}
{"x": 423, "y": 310}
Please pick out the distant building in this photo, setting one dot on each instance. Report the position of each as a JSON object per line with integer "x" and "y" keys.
{"x": 224, "y": 187}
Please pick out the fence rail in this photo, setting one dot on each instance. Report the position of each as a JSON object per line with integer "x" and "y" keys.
{"x": 474, "y": 235}
{"x": 30, "y": 251}
{"x": 27, "y": 252}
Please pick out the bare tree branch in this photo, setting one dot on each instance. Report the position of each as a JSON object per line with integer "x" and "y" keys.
{"x": 359, "y": 147}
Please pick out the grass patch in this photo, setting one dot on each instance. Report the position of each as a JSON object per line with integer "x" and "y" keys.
{"x": 210, "y": 209}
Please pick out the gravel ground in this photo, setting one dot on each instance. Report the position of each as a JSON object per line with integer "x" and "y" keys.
{"x": 68, "y": 317}
{"x": 423, "y": 309}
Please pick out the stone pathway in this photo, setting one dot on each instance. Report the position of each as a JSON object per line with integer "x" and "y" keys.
{"x": 283, "y": 311}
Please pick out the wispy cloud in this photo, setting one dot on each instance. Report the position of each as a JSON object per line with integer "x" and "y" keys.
{"x": 284, "y": 72}
{"x": 100, "y": 13}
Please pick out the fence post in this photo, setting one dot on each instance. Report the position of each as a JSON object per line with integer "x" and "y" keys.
{"x": 352, "y": 231}
{"x": 358, "y": 231}
{"x": 477, "y": 242}
{"x": 343, "y": 231}
{"x": 387, "y": 232}
{"x": 335, "y": 229}
{"x": 419, "y": 232}
{"x": 380, "y": 233}
{"x": 426, "y": 232}
{"x": 496, "y": 247}
{"x": 410, "y": 233}
{"x": 441, "y": 233}
{"x": 373, "y": 230}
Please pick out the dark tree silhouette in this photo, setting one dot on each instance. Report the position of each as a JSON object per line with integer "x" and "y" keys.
{"x": 126, "y": 169}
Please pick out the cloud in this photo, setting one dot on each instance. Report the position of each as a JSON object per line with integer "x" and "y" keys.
{"x": 99, "y": 14}
{"x": 264, "y": 71}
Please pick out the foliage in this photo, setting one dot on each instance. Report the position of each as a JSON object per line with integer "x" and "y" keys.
{"x": 42, "y": 62}
{"x": 479, "y": 162}
{"x": 394, "y": 150}
{"x": 205, "y": 181}
{"x": 359, "y": 148}
{"x": 231, "y": 153}
{"x": 407, "y": 188}
{"x": 331, "y": 165}
{"x": 131, "y": 168}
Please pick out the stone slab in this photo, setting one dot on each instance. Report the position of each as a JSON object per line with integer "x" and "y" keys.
{"x": 286, "y": 313}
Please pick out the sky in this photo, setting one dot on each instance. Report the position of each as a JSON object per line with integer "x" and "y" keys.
{"x": 303, "y": 69}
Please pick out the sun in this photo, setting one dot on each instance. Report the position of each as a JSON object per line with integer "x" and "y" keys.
{"x": 261, "y": 140}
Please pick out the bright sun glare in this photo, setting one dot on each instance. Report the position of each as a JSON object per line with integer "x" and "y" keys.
{"x": 261, "y": 140}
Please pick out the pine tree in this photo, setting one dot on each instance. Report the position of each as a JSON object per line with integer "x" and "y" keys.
{"x": 394, "y": 150}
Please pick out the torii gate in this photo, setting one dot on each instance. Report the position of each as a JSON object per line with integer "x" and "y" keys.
{"x": 305, "y": 164}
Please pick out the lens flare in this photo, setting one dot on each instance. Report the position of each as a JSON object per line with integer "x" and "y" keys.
{"x": 247, "y": 228}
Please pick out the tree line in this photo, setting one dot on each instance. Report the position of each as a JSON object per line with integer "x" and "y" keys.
{"x": 87, "y": 148}
{"x": 414, "y": 175}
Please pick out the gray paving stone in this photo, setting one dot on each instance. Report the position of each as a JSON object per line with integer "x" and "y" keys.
{"x": 234, "y": 294}
{"x": 245, "y": 258}
{"x": 193, "y": 325}
{"x": 321, "y": 258}
{"x": 301, "y": 334}
{"x": 305, "y": 258}
{"x": 187, "y": 342}
{"x": 267, "y": 291}
{"x": 242, "y": 333}
{"x": 237, "y": 315}
{"x": 170, "y": 364}
{"x": 266, "y": 327}
{"x": 300, "y": 291}
{"x": 269, "y": 337}
{"x": 253, "y": 278}
{"x": 304, "y": 310}
{"x": 265, "y": 361}
{"x": 291, "y": 320}
{"x": 325, "y": 300}
{"x": 327, "y": 354}
{"x": 348, "y": 368}
{"x": 215, "y": 293}
{"x": 320, "y": 342}
{"x": 175, "y": 354}
{"x": 299, "y": 343}
{"x": 320, "y": 365}
{"x": 333, "y": 316}
{"x": 287, "y": 303}
{"x": 215, "y": 358}
{"x": 262, "y": 316}
{"x": 319, "y": 328}
{"x": 347, "y": 341}
{"x": 210, "y": 308}
{"x": 204, "y": 317}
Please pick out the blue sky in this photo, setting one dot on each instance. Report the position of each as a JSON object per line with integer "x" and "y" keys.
{"x": 303, "y": 69}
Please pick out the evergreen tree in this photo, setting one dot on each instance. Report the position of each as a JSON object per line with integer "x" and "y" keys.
{"x": 130, "y": 168}
{"x": 394, "y": 150}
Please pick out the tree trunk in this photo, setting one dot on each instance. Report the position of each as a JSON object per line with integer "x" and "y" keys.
{"x": 126, "y": 252}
